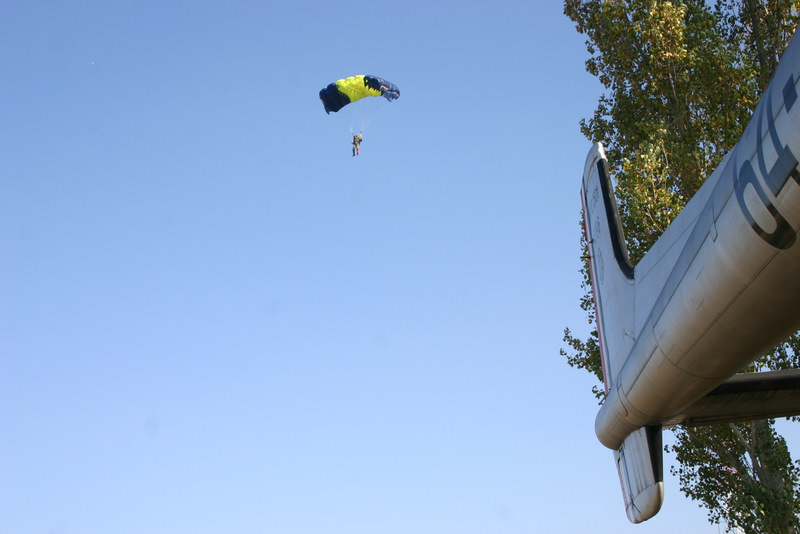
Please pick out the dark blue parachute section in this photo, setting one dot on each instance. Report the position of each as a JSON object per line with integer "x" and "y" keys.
{"x": 388, "y": 90}
{"x": 333, "y": 99}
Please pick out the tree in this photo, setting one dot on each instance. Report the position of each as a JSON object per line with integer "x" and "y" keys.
{"x": 682, "y": 79}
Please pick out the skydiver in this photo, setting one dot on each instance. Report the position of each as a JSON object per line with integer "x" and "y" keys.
{"x": 357, "y": 138}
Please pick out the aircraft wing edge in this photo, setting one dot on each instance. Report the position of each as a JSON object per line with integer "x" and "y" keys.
{"x": 746, "y": 397}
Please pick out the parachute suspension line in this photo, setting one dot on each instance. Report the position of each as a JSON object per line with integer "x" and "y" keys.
{"x": 372, "y": 108}
{"x": 359, "y": 116}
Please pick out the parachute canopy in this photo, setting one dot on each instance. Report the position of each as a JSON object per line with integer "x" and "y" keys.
{"x": 338, "y": 95}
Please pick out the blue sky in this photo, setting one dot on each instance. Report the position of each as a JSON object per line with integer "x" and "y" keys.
{"x": 214, "y": 319}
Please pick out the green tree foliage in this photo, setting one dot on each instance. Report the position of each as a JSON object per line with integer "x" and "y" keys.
{"x": 742, "y": 473}
{"x": 681, "y": 80}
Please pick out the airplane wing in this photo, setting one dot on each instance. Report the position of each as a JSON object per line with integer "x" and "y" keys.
{"x": 746, "y": 397}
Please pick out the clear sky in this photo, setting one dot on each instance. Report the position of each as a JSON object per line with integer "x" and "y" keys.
{"x": 214, "y": 319}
